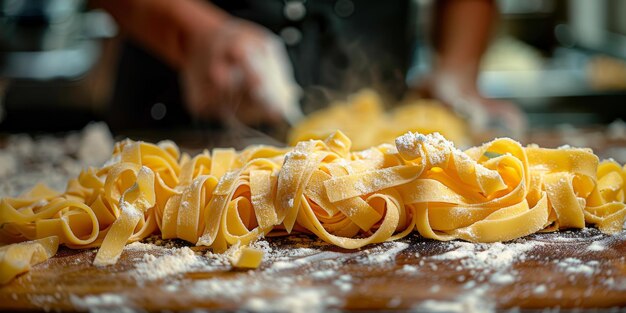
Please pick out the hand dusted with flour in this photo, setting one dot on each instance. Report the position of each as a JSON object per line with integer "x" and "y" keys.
{"x": 496, "y": 192}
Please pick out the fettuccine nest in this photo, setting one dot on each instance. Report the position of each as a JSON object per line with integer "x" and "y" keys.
{"x": 495, "y": 192}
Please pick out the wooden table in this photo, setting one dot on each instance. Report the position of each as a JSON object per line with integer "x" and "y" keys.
{"x": 572, "y": 269}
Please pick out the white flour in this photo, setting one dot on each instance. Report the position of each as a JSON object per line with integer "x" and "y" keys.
{"x": 596, "y": 246}
{"x": 500, "y": 278}
{"x": 178, "y": 261}
{"x": 618, "y": 284}
{"x": 438, "y": 149}
{"x": 493, "y": 256}
{"x": 470, "y": 302}
{"x": 264, "y": 292}
{"x": 344, "y": 283}
{"x": 384, "y": 253}
{"x": 101, "y": 300}
{"x": 540, "y": 289}
{"x": 105, "y": 302}
{"x": 301, "y": 301}
{"x": 409, "y": 268}
{"x": 576, "y": 266}
{"x": 324, "y": 274}
{"x": 140, "y": 246}
{"x": 490, "y": 265}
{"x": 273, "y": 287}
{"x": 51, "y": 160}
{"x": 286, "y": 262}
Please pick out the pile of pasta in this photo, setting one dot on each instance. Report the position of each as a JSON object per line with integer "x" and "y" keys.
{"x": 495, "y": 192}
{"x": 363, "y": 118}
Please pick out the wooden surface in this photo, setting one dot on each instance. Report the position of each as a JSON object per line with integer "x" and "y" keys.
{"x": 423, "y": 275}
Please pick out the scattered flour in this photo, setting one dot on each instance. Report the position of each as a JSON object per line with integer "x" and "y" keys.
{"x": 540, "y": 289}
{"x": 43, "y": 301}
{"x": 344, "y": 283}
{"x": 130, "y": 209}
{"x": 287, "y": 262}
{"x": 470, "y": 302}
{"x": 590, "y": 234}
{"x": 409, "y": 268}
{"x": 180, "y": 260}
{"x": 487, "y": 263}
{"x": 502, "y": 278}
{"x": 283, "y": 265}
{"x": 493, "y": 256}
{"x": 436, "y": 147}
{"x": 265, "y": 292}
{"x": 324, "y": 274}
{"x": 576, "y": 266}
{"x": 596, "y": 246}
{"x": 103, "y": 302}
{"x": 618, "y": 284}
{"x": 301, "y": 301}
{"x": 384, "y": 253}
{"x": 140, "y": 246}
{"x": 263, "y": 245}
{"x": 105, "y": 299}
{"x": 49, "y": 159}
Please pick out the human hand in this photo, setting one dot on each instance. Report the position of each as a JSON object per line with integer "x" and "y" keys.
{"x": 237, "y": 70}
{"x": 501, "y": 117}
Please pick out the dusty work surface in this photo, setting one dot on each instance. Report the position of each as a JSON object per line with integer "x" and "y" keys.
{"x": 564, "y": 270}
{"x": 573, "y": 269}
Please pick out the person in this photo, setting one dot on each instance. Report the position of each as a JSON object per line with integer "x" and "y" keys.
{"x": 333, "y": 45}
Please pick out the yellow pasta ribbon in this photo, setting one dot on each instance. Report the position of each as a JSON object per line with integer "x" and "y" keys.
{"x": 19, "y": 257}
{"x": 498, "y": 191}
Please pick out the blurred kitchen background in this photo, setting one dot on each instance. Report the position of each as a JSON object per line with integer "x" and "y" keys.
{"x": 562, "y": 61}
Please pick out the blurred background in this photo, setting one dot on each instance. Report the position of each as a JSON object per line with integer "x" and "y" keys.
{"x": 563, "y": 62}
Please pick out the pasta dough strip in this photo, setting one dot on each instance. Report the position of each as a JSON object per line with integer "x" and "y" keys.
{"x": 495, "y": 192}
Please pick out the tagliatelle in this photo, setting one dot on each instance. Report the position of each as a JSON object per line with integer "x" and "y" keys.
{"x": 364, "y": 119}
{"x": 496, "y": 192}
{"x": 18, "y": 258}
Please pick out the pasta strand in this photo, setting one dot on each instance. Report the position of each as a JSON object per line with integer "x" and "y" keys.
{"x": 495, "y": 192}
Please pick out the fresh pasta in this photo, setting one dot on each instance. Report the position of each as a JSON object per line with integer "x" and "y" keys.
{"x": 364, "y": 119}
{"x": 495, "y": 192}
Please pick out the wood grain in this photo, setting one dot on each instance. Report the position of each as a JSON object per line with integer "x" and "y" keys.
{"x": 372, "y": 278}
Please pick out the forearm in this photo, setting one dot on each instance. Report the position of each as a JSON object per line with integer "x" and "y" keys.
{"x": 164, "y": 26}
{"x": 462, "y": 34}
